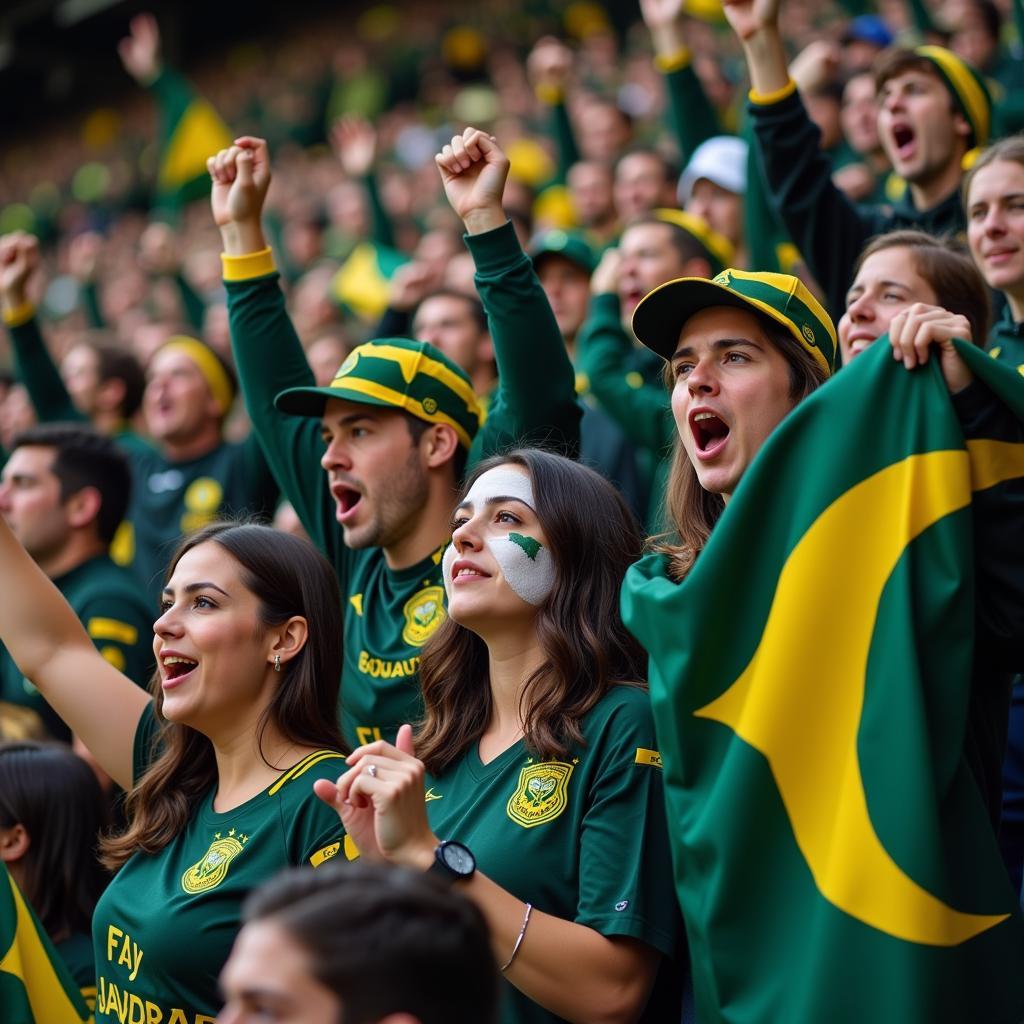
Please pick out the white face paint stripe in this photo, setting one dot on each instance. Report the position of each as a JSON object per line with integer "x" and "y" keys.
{"x": 528, "y": 569}
{"x": 501, "y": 482}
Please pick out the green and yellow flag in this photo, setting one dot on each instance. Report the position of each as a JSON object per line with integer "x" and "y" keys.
{"x": 35, "y": 986}
{"x": 811, "y": 682}
{"x": 190, "y": 131}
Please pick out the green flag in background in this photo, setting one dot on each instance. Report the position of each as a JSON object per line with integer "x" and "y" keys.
{"x": 190, "y": 132}
{"x": 35, "y": 986}
{"x": 810, "y": 679}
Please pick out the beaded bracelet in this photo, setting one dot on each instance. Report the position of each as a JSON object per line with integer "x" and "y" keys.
{"x": 519, "y": 941}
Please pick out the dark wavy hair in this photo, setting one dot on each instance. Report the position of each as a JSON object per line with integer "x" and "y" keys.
{"x": 593, "y": 539}
{"x": 53, "y": 794}
{"x": 288, "y": 577}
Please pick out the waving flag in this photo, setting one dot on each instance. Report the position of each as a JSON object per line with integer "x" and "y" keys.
{"x": 811, "y": 680}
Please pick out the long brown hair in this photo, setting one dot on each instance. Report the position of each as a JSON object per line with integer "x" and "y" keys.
{"x": 593, "y": 539}
{"x": 693, "y": 511}
{"x": 289, "y": 578}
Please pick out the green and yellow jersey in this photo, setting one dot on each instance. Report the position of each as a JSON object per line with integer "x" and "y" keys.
{"x": 584, "y": 839}
{"x": 163, "y": 929}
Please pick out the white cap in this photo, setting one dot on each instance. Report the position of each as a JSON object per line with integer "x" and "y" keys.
{"x": 721, "y": 159}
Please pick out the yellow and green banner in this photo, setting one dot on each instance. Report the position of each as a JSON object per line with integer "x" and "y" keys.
{"x": 191, "y": 130}
{"x": 35, "y": 986}
{"x": 827, "y": 695}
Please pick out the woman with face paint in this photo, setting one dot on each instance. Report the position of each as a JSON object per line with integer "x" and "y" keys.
{"x": 536, "y": 762}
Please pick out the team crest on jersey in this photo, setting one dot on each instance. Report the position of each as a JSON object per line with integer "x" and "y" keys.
{"x": 424, "y": 612}
{"x": 202, "y": 500}
{"x": 212, "y": 868}
{"x": 541, "y": 793}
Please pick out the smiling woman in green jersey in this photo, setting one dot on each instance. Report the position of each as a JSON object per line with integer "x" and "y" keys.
{"x": 218, "y": 762}
{"x": 538, "y": 751}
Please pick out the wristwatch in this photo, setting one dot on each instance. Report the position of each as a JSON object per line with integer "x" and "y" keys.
{"x": 453, "y": 862}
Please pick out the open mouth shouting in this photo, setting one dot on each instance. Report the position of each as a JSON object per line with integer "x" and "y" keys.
{"x": 175, "y": 668}
{"x": 710, "y": 433}
{"x": 347, "y": 499}
{"x": 904, "y": 142}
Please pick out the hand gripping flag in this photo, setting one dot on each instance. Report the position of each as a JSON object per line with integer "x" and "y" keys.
{"x": 35, "y": 986}
{"x": 811, "y": 682}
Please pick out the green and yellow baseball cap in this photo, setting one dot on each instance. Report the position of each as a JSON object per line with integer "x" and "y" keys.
{"x": 661, "y": 314}
{"x": 401, "y": 374}
{"x": 969, "y": 90}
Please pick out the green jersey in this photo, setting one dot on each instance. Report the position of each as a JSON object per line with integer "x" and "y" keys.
{"x": 163, "y": 929}
{"x": 390, "y": 614}
{"x": 1006, "y": 341}
{"x": 111, "y": 606}
{"x": 172, "y": 499}
{"x": 583, "y": 839}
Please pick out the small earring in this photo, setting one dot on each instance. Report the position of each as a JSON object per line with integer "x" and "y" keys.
{"x": 277, "y": 662}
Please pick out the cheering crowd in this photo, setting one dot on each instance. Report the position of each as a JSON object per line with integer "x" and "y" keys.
{"x": 533, "y": 528}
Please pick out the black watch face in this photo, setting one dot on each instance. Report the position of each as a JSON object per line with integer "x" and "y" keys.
{"x": 458, "y": 858}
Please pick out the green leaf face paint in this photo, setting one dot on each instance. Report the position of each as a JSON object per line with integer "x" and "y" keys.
{"x": 528, "y": 544}
{"x": 525, "y": 563}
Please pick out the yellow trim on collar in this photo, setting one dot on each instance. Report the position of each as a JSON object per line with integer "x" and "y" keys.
{"x": 763, "y": 99}
{"x": 252, "y": 264}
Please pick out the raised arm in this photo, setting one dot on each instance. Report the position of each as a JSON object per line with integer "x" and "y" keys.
{"x": 268, "y": 353}
{"x": 52, "y": 649}
{"x": 536, "y": 398}
{"x": 355, "y": 143}
{"x": 19, "y": 260}
{"x": 692, "y": 117}
{"x": 606, "y": 356}
{"x": 549, "y": 67}
{"x": 825, "y": 226}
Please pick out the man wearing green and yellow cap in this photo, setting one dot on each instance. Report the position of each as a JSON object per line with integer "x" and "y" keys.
{"x": 933, "y": 109}
{"x": 381, "y": 450}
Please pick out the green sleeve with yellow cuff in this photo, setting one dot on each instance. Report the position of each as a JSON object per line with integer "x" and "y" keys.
{"x": 35, "y": 368}
{"x": 535, "y": 403}
{"x": 692, "y": 117}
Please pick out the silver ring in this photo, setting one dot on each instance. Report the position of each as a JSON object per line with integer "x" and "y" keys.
{"x": 371, "y": 770}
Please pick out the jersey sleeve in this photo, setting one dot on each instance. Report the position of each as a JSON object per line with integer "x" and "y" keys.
{"x": 316, "y": 834}
{"x": 641, "y": 410}
{"x": 535, "y": 402}
{"x": 827, "y": 229}
{"x": 690, "y": 114}
{"x": 35, "y": 368}
{"x": 122, "y": 631}
{"x": 625, "y": 863}
{"x": 270, "y": 358}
